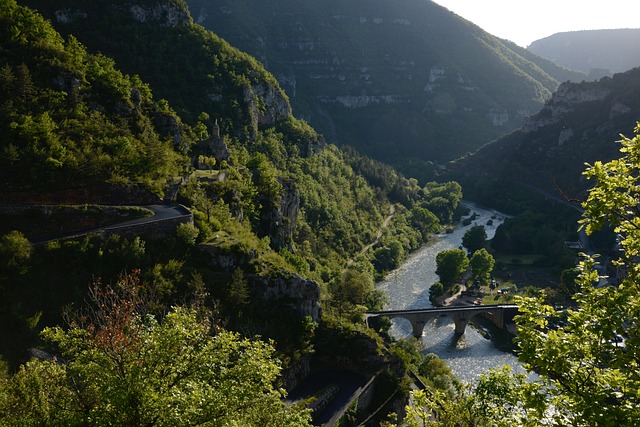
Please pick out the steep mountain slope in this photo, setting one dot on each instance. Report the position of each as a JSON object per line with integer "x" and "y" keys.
{"x": 192, "y": 68}
{"x": 594, "y": 52}
{"x": 70, "y": 119}
{"x": 395, "y": 79}
{"x": 579, "y": 125}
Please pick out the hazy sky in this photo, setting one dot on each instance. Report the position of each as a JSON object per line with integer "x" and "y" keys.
{"x": 512, "y": 20}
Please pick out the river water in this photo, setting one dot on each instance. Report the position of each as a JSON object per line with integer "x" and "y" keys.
{"x": 408, "y": 287}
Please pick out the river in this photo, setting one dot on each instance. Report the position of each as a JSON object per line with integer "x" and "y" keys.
{"x": 408, "y": 287}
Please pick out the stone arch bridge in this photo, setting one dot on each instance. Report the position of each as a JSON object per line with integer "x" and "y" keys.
{"x": 460, "y": 315}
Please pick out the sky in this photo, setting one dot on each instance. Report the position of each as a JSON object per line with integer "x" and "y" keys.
{"x": 512, "y": 20}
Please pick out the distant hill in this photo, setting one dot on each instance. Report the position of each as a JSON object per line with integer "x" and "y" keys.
{"x": 579, "y": 125}
{"x": 595, "y": 52}
{"x": 398, "y": 80}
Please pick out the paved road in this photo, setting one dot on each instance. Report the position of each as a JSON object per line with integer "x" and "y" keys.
{"x": 348, "y": 384}
{"x": 160, "y": 213}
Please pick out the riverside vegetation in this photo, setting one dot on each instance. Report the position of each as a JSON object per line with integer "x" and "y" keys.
{"x": 182, "y": 331}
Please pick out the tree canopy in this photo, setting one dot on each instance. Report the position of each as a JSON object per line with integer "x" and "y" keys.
{"x": 116, "y": 366}
{"x": 482, "y": 263}
{"x": 68, "y": 117}
{"x": 450, "y": 263}
{"x": 475, "y": 238}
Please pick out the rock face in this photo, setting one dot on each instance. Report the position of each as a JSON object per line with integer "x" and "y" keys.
{"x": 279, "y": 222}
{"x": 265, "y": 104}
{"x": 301, "y": 295}
{"x": 167, "y": 124}
{"x": 227, "y": 259}
{"x": 67, "y": 16}
{"x": 166, "y": 13}
{"x": 276, "y": 105}
{"x": 566, "y": 99}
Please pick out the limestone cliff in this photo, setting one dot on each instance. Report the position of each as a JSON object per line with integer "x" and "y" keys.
{"x": 301, "y": 295}
{"x": 279, "y": 221}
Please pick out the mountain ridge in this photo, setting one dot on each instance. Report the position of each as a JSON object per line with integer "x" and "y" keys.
{"x": 597, "y": 53}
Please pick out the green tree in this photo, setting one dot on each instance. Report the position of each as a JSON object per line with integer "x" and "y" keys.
{"x": 127, "y": 369}
{"x": 187, "y": 233}
{"x": 15, "y": 249}
{"x": 482, "y": 263}
{"x": 238, "y": 288}
{"x": 389, "y": 256}
{"x": 497, "y": 400}
{"x": 439, "y": 375}
{"x": 590, "y": 365}
{"x": 436, "y": 290}
{"x": 475, "y": 238}
{"x": 450, "y": 264}
{"x": 424, "y": 220}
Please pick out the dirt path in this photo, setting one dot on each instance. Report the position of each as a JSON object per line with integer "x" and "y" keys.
{"x": 385, "y": 223}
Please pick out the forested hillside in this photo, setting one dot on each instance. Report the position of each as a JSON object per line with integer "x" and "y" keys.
{"x": 397, "y": 80}
{"x": 578, "y": 125}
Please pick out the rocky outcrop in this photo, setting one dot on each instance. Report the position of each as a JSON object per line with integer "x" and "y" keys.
{"x": 293, "y": 375}
{"x": 579, "y": 125}
{"x": 565, "y": 100}
{"x": 275, "y": 102}
{"x": 299, "y": 294}
{"x": 279, "y": 221}
{"x": 68, "y": 16}
{"x": 363, "y": 101}
{"x": 266, "y": 104}
{"x": 618, "y": 109}
{"x": 227, "y": 259}
{"x": 167, "y": 13}
{"x": 167, "y": 124}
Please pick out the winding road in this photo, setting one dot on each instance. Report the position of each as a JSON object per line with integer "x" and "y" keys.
{"x": 160, "y": 213}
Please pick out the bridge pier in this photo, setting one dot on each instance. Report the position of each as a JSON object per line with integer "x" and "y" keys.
{"x": 418, "y": 327}
{"x": 461, "y": 324}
